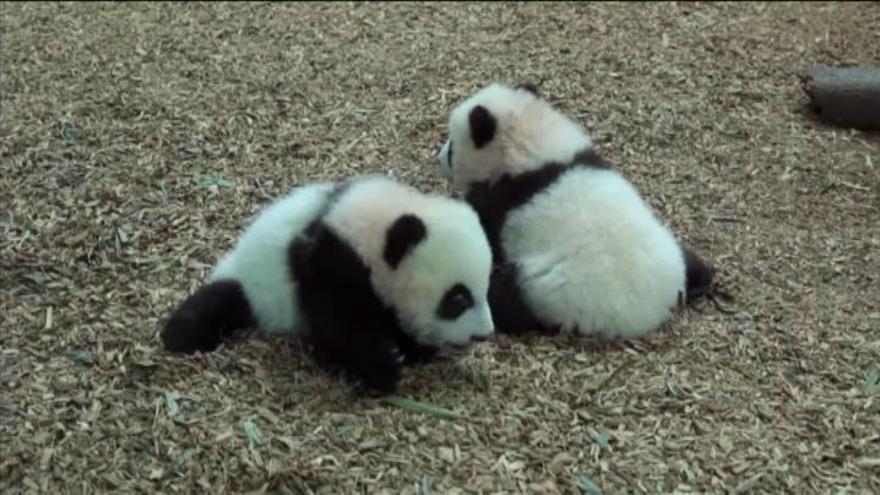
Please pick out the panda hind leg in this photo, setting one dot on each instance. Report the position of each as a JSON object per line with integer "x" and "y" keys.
{"x": 699, "y": 275}
{"x": 510, "y": 311}
{"x": 207, "y": 317}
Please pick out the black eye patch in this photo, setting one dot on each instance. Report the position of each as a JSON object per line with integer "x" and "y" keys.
{"x": 455, "y": 302}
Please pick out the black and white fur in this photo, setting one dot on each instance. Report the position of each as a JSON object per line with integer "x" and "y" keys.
{"x": 373, "y": 272}
{"x": 576, "y": 247}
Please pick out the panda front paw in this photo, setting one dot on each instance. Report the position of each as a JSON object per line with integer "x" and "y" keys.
{"x": 419, "y": 356}
{"x": 413, "y": 352}
{"x": 383, "y": 376}
{"x": 374, "y": 363}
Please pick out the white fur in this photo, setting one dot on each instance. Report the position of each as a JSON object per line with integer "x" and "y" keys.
{"x": 455, "y": 251}
{"x": 259, "y": 259}
{"x": 592, "y": 254}
{"x": 530, "y": 134}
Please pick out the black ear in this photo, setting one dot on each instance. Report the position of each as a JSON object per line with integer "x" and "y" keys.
{"x": 531, "y": 88}
{"x": 406, "y": 232}
{"x": 483, "y": 126}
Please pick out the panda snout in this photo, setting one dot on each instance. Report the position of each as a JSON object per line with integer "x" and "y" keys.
{"x": 480, "y": 338}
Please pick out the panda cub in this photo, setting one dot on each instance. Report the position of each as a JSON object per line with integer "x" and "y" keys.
{"x": 373, "y": 272}
{"x": 576, "y": 247}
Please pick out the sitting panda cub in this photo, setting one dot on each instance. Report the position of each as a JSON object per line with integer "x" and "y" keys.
{"x": 576, "y": 247}
{"x": 373, "y": 272}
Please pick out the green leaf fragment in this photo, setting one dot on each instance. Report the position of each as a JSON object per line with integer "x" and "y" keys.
{"x": 252, "y": 432}
{"x": 82, "y": 356}
{"x": 672, "y": 387}
{"x": 587, "y": 486}
{"x": 872, "y": 379}
{"x": 343, "y": 430}
{"x": 481, "y": 382}
{"x": 171, "y": 403}
{"x": 68, "y": 133}
{"x": 686, "y": 469}
{"x": 425, "y": 486}
{"x": 123, "y": 235}
{"x": 37, "y": 278}
{"x": 601, "y": 440}
{"x": 212, "y": 180}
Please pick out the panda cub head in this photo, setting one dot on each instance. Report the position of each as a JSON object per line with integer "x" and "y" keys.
{"x": 506, "y": 130}
{"x": 427, "y": 256}
{"x": 436, "y": 275}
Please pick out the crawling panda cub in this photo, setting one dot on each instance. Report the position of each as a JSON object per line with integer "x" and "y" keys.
{"x": 373, "y": 272}
{"x": 576, "y": 247}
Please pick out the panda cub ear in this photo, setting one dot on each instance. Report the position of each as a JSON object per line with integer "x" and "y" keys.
{"x": 404, "y": 234}
{"x": 483, "y": 126}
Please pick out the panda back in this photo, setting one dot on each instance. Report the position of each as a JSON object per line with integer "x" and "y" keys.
{"x": 259, "y": 260}
{"x": 592, "y": 255}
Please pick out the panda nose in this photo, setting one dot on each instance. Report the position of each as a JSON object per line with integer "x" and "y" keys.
{"x": 480, "y": 338}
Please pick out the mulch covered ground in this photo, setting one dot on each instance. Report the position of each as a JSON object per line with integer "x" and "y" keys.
{"x": 138, "y": 138}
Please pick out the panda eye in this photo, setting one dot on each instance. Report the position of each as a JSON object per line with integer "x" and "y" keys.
{"x": 455, "y": 302}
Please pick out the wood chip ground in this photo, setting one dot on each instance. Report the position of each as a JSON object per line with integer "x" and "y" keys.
{"x": 138, "y": 138}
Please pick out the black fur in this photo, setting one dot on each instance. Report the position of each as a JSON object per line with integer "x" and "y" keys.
{"x": 493, "y": 202}
{"x": 510, "y": 312}
{"x": 208, "y": 316}
{"x": 363, "y": 338}
{"x": 699, "y": 275}
{"x": 332, "y": 197}
{"x": 456, "y": 301}
{"x": 590, "y": 158}
{"x": 405, "y": 233}
{"x": 449, "y": 155}
{"x": 483, "y": 126}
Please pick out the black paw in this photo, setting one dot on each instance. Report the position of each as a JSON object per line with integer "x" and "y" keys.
{"x": 184, "y": 333}
{"x": 413, "y": 352}
{"x": 383, "y": 376}
{"x": 699, "y": 276}
{"x": 418, "y": 356}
